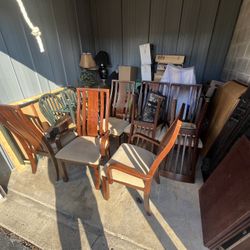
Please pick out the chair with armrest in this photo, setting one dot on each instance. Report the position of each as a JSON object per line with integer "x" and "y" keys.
{"x": 28, "y": 133}
{"x": 92, "y": 141}
{"x": 136, "y": 167}
{"x": 120, "y": 104}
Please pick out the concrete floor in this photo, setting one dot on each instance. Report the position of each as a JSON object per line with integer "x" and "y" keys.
{"x": 74, "y": 215}
{"x": 9, "y": 241}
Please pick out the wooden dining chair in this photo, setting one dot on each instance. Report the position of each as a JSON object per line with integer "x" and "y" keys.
{"x": 181, "y": 162}
{"x": 120, "y": 104}
{"x": 29, "y": 134}
{"x": 135, "y": 167}
{"x": 92, "y": 141}
{"x": 150, "y": 98}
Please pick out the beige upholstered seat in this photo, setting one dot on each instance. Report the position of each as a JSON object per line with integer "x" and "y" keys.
{"x": 117, "y": 126}
{"x": 127, "y": 129}
{"x": 84, "y": 149}
{"x": 133, "y": 157}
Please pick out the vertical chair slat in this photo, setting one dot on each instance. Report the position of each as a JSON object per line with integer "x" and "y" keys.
{"x": 102, "y": 112}
{"x": 92, "y": 116}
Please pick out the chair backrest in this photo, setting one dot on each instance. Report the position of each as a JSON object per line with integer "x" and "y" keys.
{"x": 68, "y": 96}
{"x": 175, "y": 94}
{"x": 31, "y": 138}
{"x": 167, "y": 142}
{"x": 92, "y": 111}
{"x": 121, "y": 98}
{"x": 52, "y": 107}
{"x": 145, "y": 89}
{"x": 189, "y": 94}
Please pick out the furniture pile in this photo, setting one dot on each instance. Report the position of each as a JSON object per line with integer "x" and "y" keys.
{"x": 91, "y": 143}
{"x": 229, "y": 118}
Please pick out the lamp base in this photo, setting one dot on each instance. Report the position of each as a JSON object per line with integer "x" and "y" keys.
{"x": 89, "y": 78}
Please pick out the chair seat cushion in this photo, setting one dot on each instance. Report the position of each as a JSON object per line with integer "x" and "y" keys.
{"x": 117, "y": 126}
{"x": 127, "y": 129}
{"x": 134, "y": 157}
{"x": 83, "y": 149}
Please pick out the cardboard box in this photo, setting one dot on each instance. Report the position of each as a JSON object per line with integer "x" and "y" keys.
{"x": 127, "y": 73}
{"x": 158, "y": 76}
{"x": 161, "y": 67}
{"x": 146, "y": 72}
{"x": 170, "y": 59}
{"x": 145, "y": 52}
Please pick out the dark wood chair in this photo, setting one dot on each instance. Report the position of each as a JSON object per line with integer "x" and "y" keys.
{"x": 137, "y": 125}
{"x": 135, "y": 167}
{"x": 29, "y": 134}
{"x": 92, "y": 141}
{"x": 181, "y": 162}
{"x": 121, "y": 98}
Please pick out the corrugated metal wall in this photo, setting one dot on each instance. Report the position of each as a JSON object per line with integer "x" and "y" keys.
{"x": 199, "y": 29}
{"x": 24, "y": 71}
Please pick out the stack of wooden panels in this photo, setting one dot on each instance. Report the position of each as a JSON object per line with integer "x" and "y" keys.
{"x": 225, "y": 203}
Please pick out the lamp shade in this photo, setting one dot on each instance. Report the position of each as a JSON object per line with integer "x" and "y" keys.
{"x": 87, "y": 61}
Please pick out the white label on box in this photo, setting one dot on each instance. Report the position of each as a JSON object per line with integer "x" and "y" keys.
{"x": 145, "y": 53}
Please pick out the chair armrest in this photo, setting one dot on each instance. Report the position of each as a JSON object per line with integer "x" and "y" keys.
{"x": 60, "y": 135}
{"x": 146, "y": 138}
{"x": 104, "y": 139}
{"x": 125, "y": 169}
{"x": 61, "y": 125}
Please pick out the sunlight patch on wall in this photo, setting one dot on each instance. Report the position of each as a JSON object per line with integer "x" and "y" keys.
{"x": 35, "y": 31}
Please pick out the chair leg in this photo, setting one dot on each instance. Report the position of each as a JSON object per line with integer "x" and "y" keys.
{"x": 108, "y": 153}
{"x": 97, "y": 177}
{"x": 105, "y": 188}
{"x": 64, "y": 171}
{"x": 33, "y": 162}
{"x": 55, "y": 163}
{"x": 119, "y": 140}
{"x": 146, "y": 203}
{"x": 157, "y": 177}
